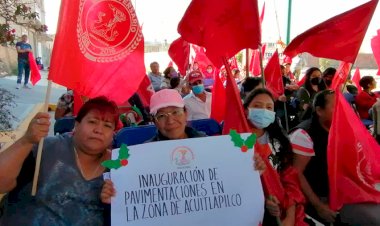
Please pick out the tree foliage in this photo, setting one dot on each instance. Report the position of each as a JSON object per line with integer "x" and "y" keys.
{"x": 18, "y": 12}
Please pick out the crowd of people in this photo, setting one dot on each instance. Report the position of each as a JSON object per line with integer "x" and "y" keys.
{"x": 293, "y": 127}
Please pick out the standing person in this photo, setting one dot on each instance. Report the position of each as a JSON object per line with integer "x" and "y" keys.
{"x": 366, "y": 99}
{"x": 23, "y": 48}
{"x": 70, "y": 175}
{"x": 198, "y": 102}
{"x": 306, "y": 93}
{"x": 155, "y": 76}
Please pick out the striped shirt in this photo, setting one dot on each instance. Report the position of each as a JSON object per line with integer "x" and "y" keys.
{"x": 302, "y": 143}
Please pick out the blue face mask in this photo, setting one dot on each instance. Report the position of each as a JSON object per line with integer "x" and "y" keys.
{"x": 261, "y": 118}
{"x": 198, "y": 89}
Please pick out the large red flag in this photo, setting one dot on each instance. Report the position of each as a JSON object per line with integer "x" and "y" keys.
{"x": 356, "y": 79}
{"x": 212, "y": 24}
{"x": 179, "y": 51}
{"x": 145, "y": 91}
{"x": 98, "y": 49}
{"x": 338, "y": 38}
{"x": 353, "y": 159}
{"x": 234, "y": 117}
{"x": 273, "y": 77}
{"x": 375, "y": 44}
{"x": 35, "y": 75}
{"x": 199, "y": 56}
{"x": 255, "y": 66}
{"x": 218, "y": 103}
{"x": 341, "y": 75}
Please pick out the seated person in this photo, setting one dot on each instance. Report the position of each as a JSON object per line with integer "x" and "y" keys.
{"x": 70, "y": 176}
{"x": 366, "y": 99}
{"x": 65, "y": 105}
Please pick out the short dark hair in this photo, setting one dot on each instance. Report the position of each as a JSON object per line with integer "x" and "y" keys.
{"x": 154, "y": 62}
{"x": 101, "y": 104}
{"x": 250, "y": 83}
{"x": 329, "y": 71}
{"x": 167, "y": 71}
{"x": 365, "y": 81}
{"x": 174, "y": 82}
{"x": 320, "y": 99}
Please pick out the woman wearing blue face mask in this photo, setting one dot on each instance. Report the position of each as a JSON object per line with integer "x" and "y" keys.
{"x": 259, "y": 108}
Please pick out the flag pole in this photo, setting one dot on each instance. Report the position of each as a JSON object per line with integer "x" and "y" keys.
{"x": 349, "y": 73}
{"x": 261, "y": 65}
{"x": 41, "y": 143}
{"x": 247, "y": 62}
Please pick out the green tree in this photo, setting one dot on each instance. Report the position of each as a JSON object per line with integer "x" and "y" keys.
{"x": 17, "y": 12}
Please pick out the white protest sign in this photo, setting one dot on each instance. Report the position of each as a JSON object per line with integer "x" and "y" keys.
{"x": 199, "y": 181}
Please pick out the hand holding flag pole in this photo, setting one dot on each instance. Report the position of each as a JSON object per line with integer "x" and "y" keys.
{"x": 41, "y": 143}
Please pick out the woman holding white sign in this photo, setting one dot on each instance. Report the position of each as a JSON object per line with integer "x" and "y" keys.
{"x": 259, "y": 108}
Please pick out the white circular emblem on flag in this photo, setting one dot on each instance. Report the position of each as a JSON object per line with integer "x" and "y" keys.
{"x": 107, "y": 30}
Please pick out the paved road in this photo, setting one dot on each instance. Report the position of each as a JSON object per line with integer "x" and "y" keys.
{"x": 26, "y": 98}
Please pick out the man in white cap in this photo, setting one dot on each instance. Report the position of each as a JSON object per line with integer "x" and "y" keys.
{"x": 198, "y": 102}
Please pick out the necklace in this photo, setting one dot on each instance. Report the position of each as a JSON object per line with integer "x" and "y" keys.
{"x": 80, "y": 166}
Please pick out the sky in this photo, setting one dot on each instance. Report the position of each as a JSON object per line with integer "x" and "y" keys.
{"x": 160, "y": 17}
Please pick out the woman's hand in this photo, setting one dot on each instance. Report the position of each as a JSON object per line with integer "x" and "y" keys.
{"x": 273, "y": 206}
{"x": 108, "y": 191}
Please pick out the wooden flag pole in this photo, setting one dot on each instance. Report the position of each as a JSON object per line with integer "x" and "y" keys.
{"x": 247, "y": 62}
{"x": 41, "y": 143}
{"x": 261, "y": 65}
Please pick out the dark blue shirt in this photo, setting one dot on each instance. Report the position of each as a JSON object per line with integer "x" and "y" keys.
{"x": 23, "y": 46}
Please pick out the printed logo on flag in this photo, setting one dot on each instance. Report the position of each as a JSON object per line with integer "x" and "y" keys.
{"x": 107, "y": 30}
{"x": 364, "y": 170}
{"x": 182, "y": 157}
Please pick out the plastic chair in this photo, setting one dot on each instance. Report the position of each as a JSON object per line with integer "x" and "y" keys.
{"x": 134, "y": 135}
{"x": 64, "y": 125}
{"x": 209, "y": 126}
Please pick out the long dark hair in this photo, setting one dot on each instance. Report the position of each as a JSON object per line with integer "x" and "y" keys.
{"x": 307, "y": 84}
{"x": 275, "y": 132}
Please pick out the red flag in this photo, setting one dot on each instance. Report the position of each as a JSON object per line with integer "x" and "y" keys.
{"x": 341, "y": 75}
{"x": 356, "y": 79}
{"x": 375, "y": 44}
{"x": 235, "y": 119}
{"x": 179, "y": 51}
{"x": 353, "y": 159}
{"x": 273, "y": 77}
{"x": 218, "y": 102}
{"x": 254, "y": 66}
{"x": 338, "y": 38}
{"x": 78, "y": 103}
{"x": 200, "y": 57}
{"x": 262, "y": 13}
{"x": 210, "y": 24}
{"x": 145, "y": 91}
{"x": 98, "y": 49}
{"x": 35, "y": 75}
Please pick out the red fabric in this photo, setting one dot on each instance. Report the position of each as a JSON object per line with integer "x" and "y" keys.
{"x": 338, "y": 38}
{"x": 222, "y": 27}
{"x": 78, "y": 103}
{"x": 285, "y": 187}
{"x": 145, "y": 91}
{"x": 35, "y": 75}
{"x": 179, "y": 51}
{"x": 353, "y": 159}
{"x": 364, "y": 101}
{"x": 255, "y": 67}
{"x": 233, "y": 63}
{"x": 356, "y": 79}
{"x": 375, "y": 44}
{"x": 96, "y": 55}
{"x": 201, "y": 58}
{"x": 236, "y": 118}
{"x": 273, "y": 77}
{"x": 262, "y": 14}
{"x": 302, "y": 81}
{"x": 218, "y": 102}
{"x": 341, "y": 75}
